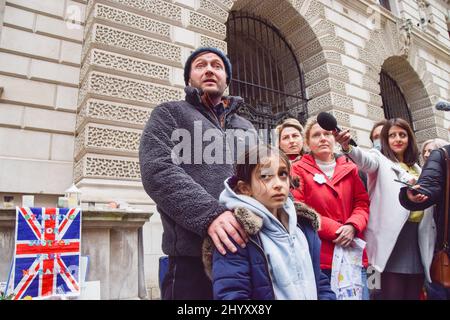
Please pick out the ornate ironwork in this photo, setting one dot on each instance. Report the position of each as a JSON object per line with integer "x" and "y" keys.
{"x": 394, "y": 103}
{"x": 266, "y": 72}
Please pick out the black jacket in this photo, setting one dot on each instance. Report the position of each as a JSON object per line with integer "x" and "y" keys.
{"x": 183, "y": 185}
{"x": 432, "y": 180}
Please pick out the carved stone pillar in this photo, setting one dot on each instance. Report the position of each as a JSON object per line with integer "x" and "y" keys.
{"x": 132, "y": 60}
{"x": 129, "y": 65}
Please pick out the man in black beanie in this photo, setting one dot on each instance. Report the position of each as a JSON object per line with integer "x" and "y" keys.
{"x": 186, "y": 192}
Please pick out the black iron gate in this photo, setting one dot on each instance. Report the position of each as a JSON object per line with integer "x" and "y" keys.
{"x": 265, "y": 72}
{"x": 394, "y": 103}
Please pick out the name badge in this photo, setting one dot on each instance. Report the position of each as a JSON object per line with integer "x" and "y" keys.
{"x": 320, "y": 178}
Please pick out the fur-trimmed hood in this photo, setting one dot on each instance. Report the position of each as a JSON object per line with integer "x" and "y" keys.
{"x": 304, "y": 211}
{"x": 252, "y": 224}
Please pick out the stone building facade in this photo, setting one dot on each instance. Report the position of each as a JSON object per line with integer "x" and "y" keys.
{"x": 79, "y": 78}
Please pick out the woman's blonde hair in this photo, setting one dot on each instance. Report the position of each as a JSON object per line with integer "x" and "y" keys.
{"x": 438, "y": 143}
{"x": 289, "y": 122}
{"x": 309, "y": 124}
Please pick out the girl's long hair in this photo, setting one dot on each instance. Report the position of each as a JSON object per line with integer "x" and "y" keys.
{"x": 411, "y": 155}
{"x": 251, "y": 160}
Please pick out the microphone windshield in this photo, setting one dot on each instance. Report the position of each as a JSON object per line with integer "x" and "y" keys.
{"x": 442, "y": 105}
{"x": 327, "y": 121}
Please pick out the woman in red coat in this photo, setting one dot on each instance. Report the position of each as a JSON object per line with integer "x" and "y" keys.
{"x": 331, "y": 185}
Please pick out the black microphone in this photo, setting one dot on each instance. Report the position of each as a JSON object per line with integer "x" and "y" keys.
{"x": 442, "y": 105}
{"x": 328, "y": 122}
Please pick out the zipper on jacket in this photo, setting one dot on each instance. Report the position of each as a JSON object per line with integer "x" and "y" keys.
{"x": 173, "y": 281}
{"x": 197, "y": 103}
{"x": 228, "y": 111}
{"x": 266, "y": 260}
{"x": 225, "y": 117}
{"x": 211, "y": 116}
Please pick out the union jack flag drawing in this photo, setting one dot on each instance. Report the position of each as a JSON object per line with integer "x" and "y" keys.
{"x": 46, "y": 254}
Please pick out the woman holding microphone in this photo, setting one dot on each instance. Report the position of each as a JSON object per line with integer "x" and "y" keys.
{"x": 400, "y": 242}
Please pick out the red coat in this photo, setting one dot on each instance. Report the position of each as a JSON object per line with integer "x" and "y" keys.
{"x": 341, "y": 200}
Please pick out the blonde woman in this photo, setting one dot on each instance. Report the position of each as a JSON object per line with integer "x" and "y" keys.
{"x": 290, "y": 139}
{"x": 330, "y": 184}
{"x": 431, "y": 145}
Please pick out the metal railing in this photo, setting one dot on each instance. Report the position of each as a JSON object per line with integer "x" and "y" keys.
{"x": 266, "y": 72}
{"x": 394, "y": 103}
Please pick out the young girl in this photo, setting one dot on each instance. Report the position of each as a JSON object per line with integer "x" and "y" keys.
{"x": 282, "y": 258}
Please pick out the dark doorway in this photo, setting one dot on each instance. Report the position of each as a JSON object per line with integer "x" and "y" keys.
{"x": 394, "y": 103}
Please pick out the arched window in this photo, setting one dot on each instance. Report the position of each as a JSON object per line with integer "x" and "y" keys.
{"x": 447, "y": 19}
{"x": 394, "y": 103}
{"x": 265, "y": 72}
{"x": 385, "y": 4}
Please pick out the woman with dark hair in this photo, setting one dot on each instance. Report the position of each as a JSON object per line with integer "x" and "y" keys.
{"x": 400, "y": 242}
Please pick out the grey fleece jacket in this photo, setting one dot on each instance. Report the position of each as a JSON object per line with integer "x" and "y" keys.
{"x": 186, "y": 194}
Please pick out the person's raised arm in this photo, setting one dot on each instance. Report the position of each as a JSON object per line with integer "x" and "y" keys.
{"x": 366, "y": 161}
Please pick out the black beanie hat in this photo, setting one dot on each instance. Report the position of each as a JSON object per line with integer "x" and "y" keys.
{"x": 226, "y": 62}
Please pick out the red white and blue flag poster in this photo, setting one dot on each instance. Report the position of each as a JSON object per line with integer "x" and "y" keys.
{"x": 47, "y": 253}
